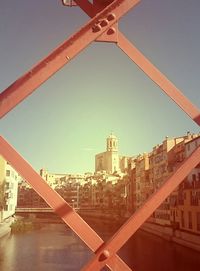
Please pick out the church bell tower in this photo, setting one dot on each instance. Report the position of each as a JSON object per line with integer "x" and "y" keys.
{"x": 112, "y": 143}
{"x": 112, "y": 156}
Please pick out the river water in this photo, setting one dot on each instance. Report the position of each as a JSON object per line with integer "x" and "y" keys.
{"x": 54, "y": 247}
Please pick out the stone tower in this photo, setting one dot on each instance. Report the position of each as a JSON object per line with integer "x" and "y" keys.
{"x": 112, "y": 154}
{"x": 112, "y": 143}
{"x": 109, "y": 160}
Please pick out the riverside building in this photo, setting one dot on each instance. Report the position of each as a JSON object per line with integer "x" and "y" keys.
{"x": 9, "y": 180}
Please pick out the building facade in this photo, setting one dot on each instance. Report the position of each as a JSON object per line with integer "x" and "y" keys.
{"x": 9, "y": 179}
{"x": 187, "y": 213}
{"x": 110, "y": 161}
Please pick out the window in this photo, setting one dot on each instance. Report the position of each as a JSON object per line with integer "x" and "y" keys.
{"x": 194, "y": 177}
{"x": 182, "y": 219}
{"x": 198, "y": 221}
{"x": 189, "y": 220}
{"x": 7, "y": 173}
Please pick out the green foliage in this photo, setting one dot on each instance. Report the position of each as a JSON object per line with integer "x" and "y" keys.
{"x": 2, "y": 196}
{"x": 21, "y": 226}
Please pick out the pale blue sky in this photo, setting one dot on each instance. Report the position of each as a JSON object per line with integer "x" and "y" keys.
{"x": 65, "y": 122}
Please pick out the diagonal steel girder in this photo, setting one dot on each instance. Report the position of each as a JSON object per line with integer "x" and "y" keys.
{"x": 149, "y": 69}
{"x": 139, "y": 217}
{"x": 29, "y": 82}
{"x": 57, "y": 203}
{"x": 159, "y": 78}
{"x": 105, "y": 253}
{"x": 25, "y": 85}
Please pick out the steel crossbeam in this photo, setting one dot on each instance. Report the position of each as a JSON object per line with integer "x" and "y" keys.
{"x": 139, "y": 217}
{"x": 147, "y": 67}
{"x": 159, "y": 78}
{"x": 102, "y": 27}
{"x": 25, "y": 85}
{"x": 57, "y": 203}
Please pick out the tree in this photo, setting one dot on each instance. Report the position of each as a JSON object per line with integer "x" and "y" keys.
{"x": 2, "y": 196}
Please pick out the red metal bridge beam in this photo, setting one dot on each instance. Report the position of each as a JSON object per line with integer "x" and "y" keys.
{"x": 25, "y": 85}
{"x": 139, "y": 217}
{"x": 86, "y": 6}
{"x": 57, "y": 203}
{"x": 91, "y": 10}
{"x": 159, "y": 78}
{"x": 105, "y": 255}
{"x": 150, "y": 70}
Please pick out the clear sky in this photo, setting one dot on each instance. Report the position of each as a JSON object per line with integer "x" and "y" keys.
{"x": 66, "y": 121}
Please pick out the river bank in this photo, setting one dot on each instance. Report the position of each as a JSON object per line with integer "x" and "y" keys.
{"x": 5, "y": 227}
{"x": 56, "y": 247}
{"x": 17, "y": 224}
{"x": 183, "y": 238}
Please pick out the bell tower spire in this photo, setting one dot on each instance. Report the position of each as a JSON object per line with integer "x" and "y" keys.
{"x": 112, "y": 143}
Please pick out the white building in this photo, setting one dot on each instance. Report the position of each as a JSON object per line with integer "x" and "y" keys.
{"x": 9, "y": 179}
{"x": 57, "y": 179}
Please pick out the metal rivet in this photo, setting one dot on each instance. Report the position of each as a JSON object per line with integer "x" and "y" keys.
{"x": 111, "y": 17}
{"x": 104, "y": 255}
{"x": 104, "y": 22}
{"x": 96, "y": 28}
{"x": 111, "y": 31}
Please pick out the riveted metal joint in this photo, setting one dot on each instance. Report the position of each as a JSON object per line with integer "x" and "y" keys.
{"x": 111, "y": 17}
{"x": 104, "y": 255}
{"x": 96, "y": 28}
{"x": 111, "y": 31}
{"x": 104, "y": 22}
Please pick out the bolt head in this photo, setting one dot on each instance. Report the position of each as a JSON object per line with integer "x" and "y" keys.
{"x": 111, "y": 17}
{"x": 111, "y": 31}
{"x": 104, "y": 22}
{"x": 96, "y": 28}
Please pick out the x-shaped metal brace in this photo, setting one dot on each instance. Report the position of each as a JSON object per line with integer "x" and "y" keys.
{"x": 103, "y": 26}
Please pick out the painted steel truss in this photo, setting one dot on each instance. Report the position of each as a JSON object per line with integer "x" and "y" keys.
{"x": 103, "y": 26}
